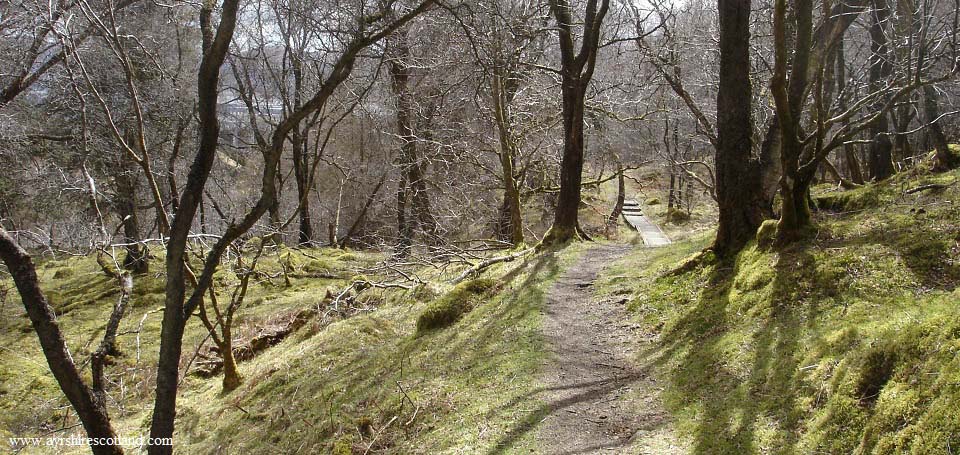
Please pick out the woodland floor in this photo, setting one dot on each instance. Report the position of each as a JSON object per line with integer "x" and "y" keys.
{"x": 599, "y": 399}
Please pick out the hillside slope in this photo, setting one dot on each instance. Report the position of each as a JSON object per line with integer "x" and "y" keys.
{"x": 848, "y": 342}
{"x": 375, "y": 382}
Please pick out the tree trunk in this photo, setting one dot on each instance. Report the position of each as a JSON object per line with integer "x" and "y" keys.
{"x": 404, "y": 228}
{"x": 901, "y": 142}
{"x": 301, "y": 160}
{"x": 738, "y": 174}
{"x": 510, "y": 224}
{"x": 427, "y": 225}
{"x": 273, "y": 214}
{"x": 90, "y": 406}
{"x": 853, "y": 164}
{"x": 215, "y": 47}
{"x": 305, "y": 230}
{"x": 566, "y": 221}
{"x": 400, "y": 76}
{"x": 849, "y": 152}
{"x": 358, "y": 223}
{"x": 125, "y": 205}
{"x": 943, "y": 159}
{"x": 790, "y": 98}
{"x": 231, "y": 376}
{"x": 795, "y": 216}
{"x": 621, "y": 197}
{"x": 881, "y": 149}
{"x": 770, "y": 168}
{"x": 108, "y": 345}
{"x": 670, "y": 193}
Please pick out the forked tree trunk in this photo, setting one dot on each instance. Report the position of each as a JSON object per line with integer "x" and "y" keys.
{"x": 576, "y": 70}
{"x": 795, "y": 216}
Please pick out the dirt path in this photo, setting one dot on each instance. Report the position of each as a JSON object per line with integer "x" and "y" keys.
{"x": 600, "y": 401}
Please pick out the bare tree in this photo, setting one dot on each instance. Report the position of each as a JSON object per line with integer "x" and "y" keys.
{"x": 90, "y": 403}
{"x": 576, "y": 69}
{"x": 374, "y": 26}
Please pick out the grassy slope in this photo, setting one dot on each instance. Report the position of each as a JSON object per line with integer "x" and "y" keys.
{"x": 83, "y": 298}
{"x": 466, "y": 384}
{"x": 468, "y": 388}
{"x": 846, "y": 343}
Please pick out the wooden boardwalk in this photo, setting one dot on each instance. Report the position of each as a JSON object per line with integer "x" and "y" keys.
{"x": 651, "y": 233}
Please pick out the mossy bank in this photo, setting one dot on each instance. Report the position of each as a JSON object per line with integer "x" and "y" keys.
{"x": 847, "y": 342}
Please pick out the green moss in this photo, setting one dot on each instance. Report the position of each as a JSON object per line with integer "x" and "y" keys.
{"x": 767, "y": 233}
{"x": 451, "y": 307}
{"x": 876, "y": 370}
{"x": 310, "y": 392}
{"x": 347, "y": 256}
{"x": 653, "y": 201}
{"x": 676, "y": 216}
{"x": 844, "y": 342}
{"x": 850, "y": 200}
{"x": 319, "y": 266}
{"x": 63, "y": 273}
{"x": 344, "y": 445}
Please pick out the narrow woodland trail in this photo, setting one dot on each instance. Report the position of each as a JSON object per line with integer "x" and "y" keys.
{"x": 599, "y": 400}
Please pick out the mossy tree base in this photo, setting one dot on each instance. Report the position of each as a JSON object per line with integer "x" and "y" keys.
{"x": 562, "y": 235}
{"x": 943, "y": 162}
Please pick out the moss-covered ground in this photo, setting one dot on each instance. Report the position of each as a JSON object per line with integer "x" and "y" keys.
{"x": 369, "y": 382}
{"x": 847, "y": 342}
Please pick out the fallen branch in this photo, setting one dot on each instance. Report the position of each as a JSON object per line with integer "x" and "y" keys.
{"x": 377, "y": 436}
{"x": 487, "y": 263}
{"x": 931, "y": 186}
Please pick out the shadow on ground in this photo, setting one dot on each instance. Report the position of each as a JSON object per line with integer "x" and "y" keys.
{"x": 733, "y": 402}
